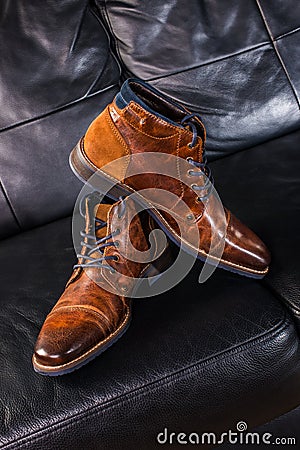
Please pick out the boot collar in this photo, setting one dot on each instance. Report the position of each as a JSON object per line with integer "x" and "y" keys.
{"x": 129, "y": 92}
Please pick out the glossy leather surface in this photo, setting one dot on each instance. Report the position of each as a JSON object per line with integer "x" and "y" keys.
{"x": 267, "y": 178}
{"x": 95, "y": 308}
{"x": 86, "y": 315}
{"x": 53, "y": 80}
{"x": 134, "y": 130}
{"x": 40, "y": 185}
{"x": 47, "y": 65}
{"x": 228, "y": 352}
{"x": 232, "y": 347}
{"x": 233, "y": 62}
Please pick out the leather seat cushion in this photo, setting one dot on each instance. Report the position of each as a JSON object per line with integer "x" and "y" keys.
{"x": 262, "y": 185}
{"x": 199, "y": 357}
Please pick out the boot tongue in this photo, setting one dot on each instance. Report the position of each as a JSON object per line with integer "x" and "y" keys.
{"x": 101, "y": 212}
{"x": 96, "y": 211}
{"x": 92, "y": 210}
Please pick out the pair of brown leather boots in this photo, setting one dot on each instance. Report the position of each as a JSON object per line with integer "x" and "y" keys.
{"x": 146, "y": 150}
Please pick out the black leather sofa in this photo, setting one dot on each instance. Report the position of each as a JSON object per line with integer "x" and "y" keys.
{"x": 201, "y": 357}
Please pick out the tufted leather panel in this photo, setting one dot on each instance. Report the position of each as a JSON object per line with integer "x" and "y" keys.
{"x": 56, "y": 74}
{"x": 40, "y": 184}
{"x": 261, "y": 185}
{"x": 51, "y": 55}
{"x": 54, "y": 85}
{"x": 218, "y": 58}
{"x": 210, "y": 354}
{"x": 281, "y": 16}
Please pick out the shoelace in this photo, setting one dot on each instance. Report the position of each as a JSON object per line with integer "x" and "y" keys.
{"x": 99, "y": 245}
{"x": 209, "y": 182}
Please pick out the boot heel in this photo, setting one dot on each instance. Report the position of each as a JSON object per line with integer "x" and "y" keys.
{"x": 84, "y": 170}
{"x": 80, "y": 167}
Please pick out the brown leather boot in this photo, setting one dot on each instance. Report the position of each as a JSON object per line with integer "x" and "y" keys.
{"x": 95, "y": 308}
{"x": 142, "y": 120}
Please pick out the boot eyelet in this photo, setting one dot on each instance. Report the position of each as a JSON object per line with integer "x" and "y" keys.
{"x": 189, "y": 159}
{"x": 112, "y": 271}
{"x": 190, "y": 217}
{"x": 117, "y": 231}
{"x": 198, "y": 200}
{"x": 190, "y": 145}
{"x": 189, "y": 172}
{"x": 193, "y": 186}
{"x": 116, "y": 258}
{"x": 117, "y": 243}
{"x": 124, "y": 288}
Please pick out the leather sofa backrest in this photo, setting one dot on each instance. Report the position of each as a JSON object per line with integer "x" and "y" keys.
{"x": 234, "y": 62}
{"x": 237, "y": 63}
{"x": 56, "y": 74}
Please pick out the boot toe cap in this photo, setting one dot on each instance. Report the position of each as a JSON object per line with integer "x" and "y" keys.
{"x": 65, "y": 338}
{"x": 245, "y": 249}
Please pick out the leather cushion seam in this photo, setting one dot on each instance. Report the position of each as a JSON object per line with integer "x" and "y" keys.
{"x": 58, "y": 109}
{"x": 266, "y": 44}
{"x": 171, "y": 377}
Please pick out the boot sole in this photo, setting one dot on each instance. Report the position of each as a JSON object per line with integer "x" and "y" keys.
{"x": 154, "y": 270}
{"x": 83, "y": 168}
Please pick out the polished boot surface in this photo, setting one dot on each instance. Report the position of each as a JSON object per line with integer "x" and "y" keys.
{"x": 95, "y": 308}
{"x": 141, "y": 120}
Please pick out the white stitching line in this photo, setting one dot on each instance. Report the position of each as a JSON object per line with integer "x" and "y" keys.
{"x": 86, "y": 308}
{"x": 146, "y": 134}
